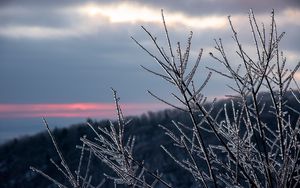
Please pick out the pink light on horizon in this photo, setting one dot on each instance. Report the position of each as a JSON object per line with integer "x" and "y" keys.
{"x": 69, "y": 110}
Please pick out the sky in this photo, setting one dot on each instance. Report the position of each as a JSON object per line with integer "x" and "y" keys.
{"x": 59, "y": 59}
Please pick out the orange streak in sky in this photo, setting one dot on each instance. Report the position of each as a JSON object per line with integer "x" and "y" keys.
{"x": 95, "y": 110}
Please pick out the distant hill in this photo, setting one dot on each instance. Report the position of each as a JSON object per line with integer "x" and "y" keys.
{"x": 17, "y": 155}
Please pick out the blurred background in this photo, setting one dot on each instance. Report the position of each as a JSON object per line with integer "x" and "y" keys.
{"x": 58, "y": 59}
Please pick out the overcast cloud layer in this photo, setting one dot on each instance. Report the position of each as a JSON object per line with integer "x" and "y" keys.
{"x": 74, "y": 51}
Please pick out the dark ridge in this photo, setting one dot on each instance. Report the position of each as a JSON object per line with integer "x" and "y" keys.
{"x": 17, "y": 155}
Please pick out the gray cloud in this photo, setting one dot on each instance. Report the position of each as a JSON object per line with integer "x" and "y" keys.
{"x": 83, "y": 67}
{"x": 51, "y": 54}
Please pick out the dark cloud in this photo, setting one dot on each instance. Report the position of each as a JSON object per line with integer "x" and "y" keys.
{"x": 192, "y": 7}
{"x": 83, "y": 68}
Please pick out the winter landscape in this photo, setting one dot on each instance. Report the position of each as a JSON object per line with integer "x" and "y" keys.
{"x": 149, "y": 93}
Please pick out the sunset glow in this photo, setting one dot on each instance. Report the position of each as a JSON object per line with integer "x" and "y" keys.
{"x": 297, "y": 76}
{"x": 95, "y": 110}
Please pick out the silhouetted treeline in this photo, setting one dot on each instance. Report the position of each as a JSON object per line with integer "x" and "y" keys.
{"x": 17, "y": 155}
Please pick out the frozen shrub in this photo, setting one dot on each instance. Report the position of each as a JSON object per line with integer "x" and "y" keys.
{"x": 243, "y": 149}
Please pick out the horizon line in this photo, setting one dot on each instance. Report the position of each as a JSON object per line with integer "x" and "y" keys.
{"x": 73, "y": 110}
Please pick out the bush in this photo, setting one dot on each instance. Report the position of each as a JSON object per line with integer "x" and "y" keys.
{"x": 235, "y": 147}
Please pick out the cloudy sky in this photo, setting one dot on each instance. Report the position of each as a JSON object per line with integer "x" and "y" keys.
{"x": 58, "y": 59}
